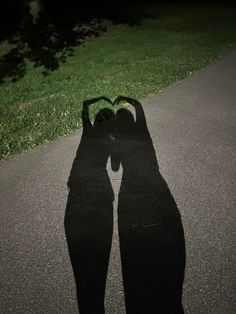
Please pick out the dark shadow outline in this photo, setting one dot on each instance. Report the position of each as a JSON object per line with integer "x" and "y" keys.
{"x": 150, "y": 229}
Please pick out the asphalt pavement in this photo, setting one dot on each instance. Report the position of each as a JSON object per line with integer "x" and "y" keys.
{"x": 190, "y": 142}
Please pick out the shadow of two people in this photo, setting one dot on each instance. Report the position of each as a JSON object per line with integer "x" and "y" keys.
{"x": 151, "y": 235}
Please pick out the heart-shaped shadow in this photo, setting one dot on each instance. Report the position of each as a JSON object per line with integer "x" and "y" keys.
{"x": 104, "y": 113}
{"x": 117, "y": 100}
{"x": 150, "y": 232}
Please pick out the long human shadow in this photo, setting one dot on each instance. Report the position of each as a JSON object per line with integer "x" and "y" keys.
{"x": 150, "y": 229}
{"x": 89, "y": 211}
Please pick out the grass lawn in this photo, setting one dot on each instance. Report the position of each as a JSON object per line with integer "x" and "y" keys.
{"x": 132, "y": 61}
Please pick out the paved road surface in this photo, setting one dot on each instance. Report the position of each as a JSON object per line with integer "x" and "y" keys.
{"x": 193, "y": 128}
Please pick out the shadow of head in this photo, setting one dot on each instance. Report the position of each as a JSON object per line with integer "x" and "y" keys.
{"x": 104, "y": 115}
{"x": 125, "y": 117}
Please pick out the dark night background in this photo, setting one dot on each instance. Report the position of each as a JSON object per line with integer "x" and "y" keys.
{"x": 12, "y": 10}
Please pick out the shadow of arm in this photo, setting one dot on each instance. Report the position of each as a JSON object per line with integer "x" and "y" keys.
{"x": 139, "y": 112}
{"x": 85, "y": 111}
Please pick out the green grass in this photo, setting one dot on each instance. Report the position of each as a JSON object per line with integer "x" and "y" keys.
{"x": 133, "y": 61}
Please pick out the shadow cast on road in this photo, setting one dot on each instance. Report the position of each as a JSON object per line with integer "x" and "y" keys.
{"x": 150, "y": 229}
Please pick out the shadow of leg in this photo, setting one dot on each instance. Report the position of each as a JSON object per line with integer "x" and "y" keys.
{"x": 89, "y": 235}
